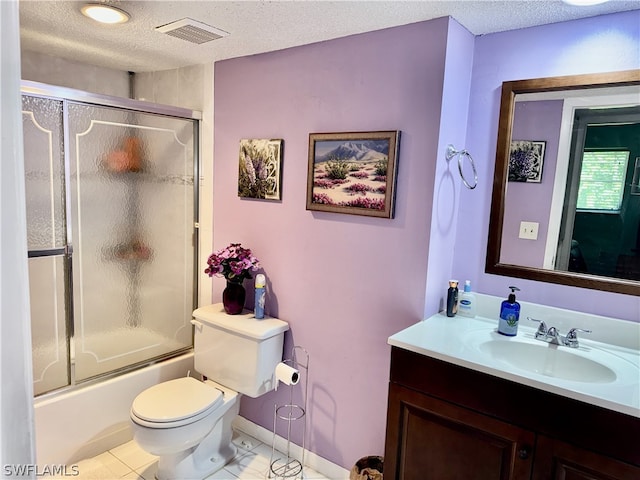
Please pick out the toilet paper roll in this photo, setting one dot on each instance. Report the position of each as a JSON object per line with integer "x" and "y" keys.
{"x": 286, "y": 374}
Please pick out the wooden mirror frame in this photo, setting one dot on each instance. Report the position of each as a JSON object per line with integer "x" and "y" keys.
{"x": 507, "y": 105}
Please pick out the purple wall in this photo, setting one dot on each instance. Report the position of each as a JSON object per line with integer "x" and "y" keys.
{"x": 598, "y": 44}
{"x": 447, "y": 185}
{"x": 531, "y": 202}
{"x": 345, "y": 283}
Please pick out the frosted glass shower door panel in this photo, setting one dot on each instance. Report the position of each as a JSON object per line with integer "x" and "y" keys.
{"x": 44, "y": 172}
{"x": 132, "y": 199}
{"x": 46, "y": 240}
{"x": 48, "y": 324}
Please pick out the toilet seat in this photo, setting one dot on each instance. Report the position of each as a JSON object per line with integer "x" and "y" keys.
{"x": 175, "y": 403}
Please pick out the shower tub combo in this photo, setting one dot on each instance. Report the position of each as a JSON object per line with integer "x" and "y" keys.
{"x": 112, "y": 241}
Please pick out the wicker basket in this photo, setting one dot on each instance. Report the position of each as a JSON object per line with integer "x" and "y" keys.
{"x": 367, "y": 468}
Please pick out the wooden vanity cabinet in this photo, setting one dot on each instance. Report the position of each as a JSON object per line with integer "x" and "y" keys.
{"x": 448, "y": 422}
{"x": 438, "y": 440}
{"x": 557, "y": 460}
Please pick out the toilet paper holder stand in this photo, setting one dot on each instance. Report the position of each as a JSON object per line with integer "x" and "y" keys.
{"x": 292, "y": 465}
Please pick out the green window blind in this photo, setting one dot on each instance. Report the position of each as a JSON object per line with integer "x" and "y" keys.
{"x": 602, "y": 180}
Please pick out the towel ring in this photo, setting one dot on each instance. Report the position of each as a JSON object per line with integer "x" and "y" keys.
{"x": 452, "y": 152}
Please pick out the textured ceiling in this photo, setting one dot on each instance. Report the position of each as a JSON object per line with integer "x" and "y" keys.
{"x": 58, "y": 28}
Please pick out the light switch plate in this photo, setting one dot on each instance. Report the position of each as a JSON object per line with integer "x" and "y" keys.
{"x": 529, "y": 230}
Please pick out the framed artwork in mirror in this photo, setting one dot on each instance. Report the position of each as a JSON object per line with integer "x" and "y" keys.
{"x": 353, "y": 173}
{"x": 260, "y": 168}
{"x": 525, "y": 161}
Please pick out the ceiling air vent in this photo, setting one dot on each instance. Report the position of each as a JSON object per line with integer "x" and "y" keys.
{"x": 192, "y": 31}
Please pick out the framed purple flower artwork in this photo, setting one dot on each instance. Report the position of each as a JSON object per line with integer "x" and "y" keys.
{"x": 525, "y": 161}
{"x": 260, "y": 168}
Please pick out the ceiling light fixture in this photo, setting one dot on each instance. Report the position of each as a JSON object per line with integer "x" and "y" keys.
{"x": 104, "y": 13}
{"x": 584, "y": 3}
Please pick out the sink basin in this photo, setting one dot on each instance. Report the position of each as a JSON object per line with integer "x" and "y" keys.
{"x": 549, "y": 360}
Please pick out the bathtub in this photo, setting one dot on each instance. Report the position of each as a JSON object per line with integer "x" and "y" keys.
{"x": 82, "y": 423}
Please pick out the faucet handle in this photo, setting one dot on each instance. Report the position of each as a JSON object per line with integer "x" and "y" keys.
{"x": 571, "y": 340}
{"x": 542, "y": 329}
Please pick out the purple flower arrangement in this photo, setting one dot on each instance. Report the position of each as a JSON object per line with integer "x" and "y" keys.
{"x": 233, "y": 262}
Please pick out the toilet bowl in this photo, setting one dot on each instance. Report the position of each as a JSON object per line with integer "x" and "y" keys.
{"x": 187, "y": 422}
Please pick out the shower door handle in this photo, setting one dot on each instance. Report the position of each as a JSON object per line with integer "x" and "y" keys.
{"x": 47, "y": 252}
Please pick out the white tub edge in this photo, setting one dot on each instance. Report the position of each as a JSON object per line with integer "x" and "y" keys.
{"x": 91, "y": 420}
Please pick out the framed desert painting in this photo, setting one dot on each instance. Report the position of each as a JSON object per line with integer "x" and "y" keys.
{"x": 259, "y": 172}
{"x": 353, "y": 173}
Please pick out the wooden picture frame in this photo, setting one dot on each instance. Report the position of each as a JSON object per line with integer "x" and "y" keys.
{"x": 353, "y": 173}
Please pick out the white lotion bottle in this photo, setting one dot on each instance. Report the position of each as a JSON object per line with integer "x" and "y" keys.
{"x": 467, "y": 301}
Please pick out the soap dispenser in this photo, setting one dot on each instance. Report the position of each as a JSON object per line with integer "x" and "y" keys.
{"x": 509, "y": 314}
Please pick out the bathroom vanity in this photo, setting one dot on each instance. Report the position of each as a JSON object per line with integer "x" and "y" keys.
{"x": 468, "y": 403}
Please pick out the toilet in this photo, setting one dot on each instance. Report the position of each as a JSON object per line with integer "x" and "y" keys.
{"x": 187, "y": 422}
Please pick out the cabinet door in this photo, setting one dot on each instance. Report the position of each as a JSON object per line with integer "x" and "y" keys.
{"x": 428, "y": 439}
{"x": 556, "y": 460}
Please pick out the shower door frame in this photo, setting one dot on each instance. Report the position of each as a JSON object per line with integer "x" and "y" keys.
{"x": 65, "y": 96}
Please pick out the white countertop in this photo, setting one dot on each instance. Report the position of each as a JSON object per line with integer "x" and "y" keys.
{"x": 461, "y": 340}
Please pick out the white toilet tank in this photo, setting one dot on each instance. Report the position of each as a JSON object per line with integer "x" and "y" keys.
{"x": 238, "y": 351}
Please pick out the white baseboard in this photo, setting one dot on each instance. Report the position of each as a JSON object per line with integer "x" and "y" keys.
{"x": 311, "y": 460}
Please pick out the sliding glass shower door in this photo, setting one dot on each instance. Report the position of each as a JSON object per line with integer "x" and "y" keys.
{"x": 46, "y": 240}
{"x": 121, "y": 265}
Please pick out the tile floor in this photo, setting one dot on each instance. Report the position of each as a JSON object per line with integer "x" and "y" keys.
{"x": 130, "y": 462}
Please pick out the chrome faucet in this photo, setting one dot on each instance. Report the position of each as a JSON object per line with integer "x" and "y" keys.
{"x": 552, "y": 335}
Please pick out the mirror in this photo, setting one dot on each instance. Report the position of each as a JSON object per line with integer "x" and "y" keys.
{"x": 565, "y": 206}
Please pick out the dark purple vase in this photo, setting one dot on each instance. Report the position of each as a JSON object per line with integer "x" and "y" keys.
{"x": 233, "y": 298}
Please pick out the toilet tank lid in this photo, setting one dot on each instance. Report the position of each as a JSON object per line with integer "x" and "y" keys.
{"x": 244, "y": 324}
